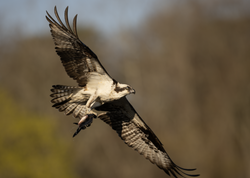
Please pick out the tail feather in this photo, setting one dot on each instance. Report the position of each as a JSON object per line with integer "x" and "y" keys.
{"x": 80, "y": 109}
{"x": 61, "y": 97}
{"x": 61, "y": 93}
{"x": 62, "y": 105}
{"x": 82, "y": 112}
{"x": 70, "y": 108}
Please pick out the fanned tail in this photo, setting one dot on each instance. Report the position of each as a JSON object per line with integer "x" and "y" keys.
{"x": 62, "y": 100}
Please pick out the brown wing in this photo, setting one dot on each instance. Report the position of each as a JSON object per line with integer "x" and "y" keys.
{"x": 76, "y": 57}
{"x": 122, "y": 117}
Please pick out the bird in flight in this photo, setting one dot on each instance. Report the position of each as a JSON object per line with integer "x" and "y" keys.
{"x": 98, "y": 92}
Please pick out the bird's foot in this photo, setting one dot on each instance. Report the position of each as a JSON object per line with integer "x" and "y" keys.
{"x": 84, "y": 122}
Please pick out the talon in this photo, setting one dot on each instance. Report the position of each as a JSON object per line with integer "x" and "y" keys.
{"x": 94, "y": 116}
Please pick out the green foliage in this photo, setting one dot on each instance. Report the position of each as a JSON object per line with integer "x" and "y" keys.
{"x": 30, "y": 147}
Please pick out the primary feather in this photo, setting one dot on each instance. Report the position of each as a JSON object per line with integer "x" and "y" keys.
{"x": 123, "y": 118}
{"x": 78, "y": 60}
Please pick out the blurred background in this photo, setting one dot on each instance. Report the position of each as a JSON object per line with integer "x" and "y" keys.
{"x": 189, "y": 62}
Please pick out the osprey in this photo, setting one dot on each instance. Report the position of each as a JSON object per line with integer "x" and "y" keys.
{"x": 98, "y": 92}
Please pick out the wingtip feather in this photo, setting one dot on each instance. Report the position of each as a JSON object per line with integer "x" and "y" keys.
{"x": 67, "y": 19}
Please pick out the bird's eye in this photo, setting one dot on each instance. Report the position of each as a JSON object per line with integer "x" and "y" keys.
{"x": 128, "y": 88}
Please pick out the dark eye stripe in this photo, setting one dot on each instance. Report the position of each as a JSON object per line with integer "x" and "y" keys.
{"x": 118, "y": 89}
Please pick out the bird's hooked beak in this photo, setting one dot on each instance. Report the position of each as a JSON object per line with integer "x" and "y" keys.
{"x": 132, "y": 91}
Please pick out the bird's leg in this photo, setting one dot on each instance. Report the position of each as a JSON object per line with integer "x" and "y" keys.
{"x": 86, "y": 120}
{"x": 91, "y": 102}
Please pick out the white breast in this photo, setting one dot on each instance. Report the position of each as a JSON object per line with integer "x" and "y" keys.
{"x": 100, "y": 85}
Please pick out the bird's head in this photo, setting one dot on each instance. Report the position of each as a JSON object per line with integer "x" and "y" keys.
{"x": 123, "y": 90}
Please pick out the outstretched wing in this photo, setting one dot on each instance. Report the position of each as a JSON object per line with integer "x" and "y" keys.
{"x": 122, "y": 117}
{"x": 76, "y": 57}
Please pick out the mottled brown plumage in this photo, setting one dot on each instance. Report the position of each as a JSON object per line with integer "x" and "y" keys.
{"x": 82, "y": 65}
{"x": 78, "y": 60}
{"x": 123, "y": 118}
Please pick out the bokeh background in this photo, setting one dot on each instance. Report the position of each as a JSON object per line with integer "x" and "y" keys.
{"x": 189, "y": 62}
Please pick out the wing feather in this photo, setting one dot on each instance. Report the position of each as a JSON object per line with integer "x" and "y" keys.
{"x": 77, "y": 59}
{"x": 122, "y": 117}
{"x": 67, "y": 19}
{"x": 74, "y": 25}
